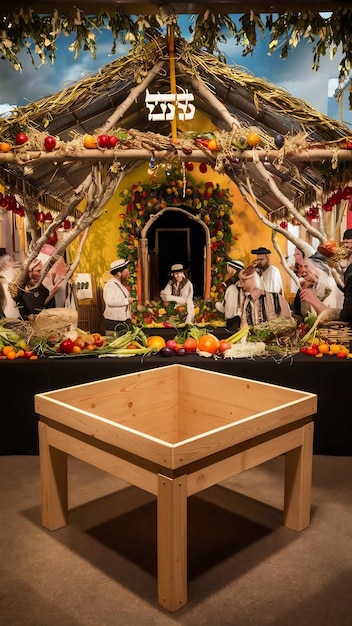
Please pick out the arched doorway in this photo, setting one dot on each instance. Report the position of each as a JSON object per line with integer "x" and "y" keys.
{"x": 174, "y": 235}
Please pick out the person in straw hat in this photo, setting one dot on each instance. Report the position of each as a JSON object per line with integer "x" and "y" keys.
{"x": 179, "y": 289}
{"x": 117, "y": 299}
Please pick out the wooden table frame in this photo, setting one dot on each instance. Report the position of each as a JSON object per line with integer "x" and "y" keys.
{"x": 173, "y": 487}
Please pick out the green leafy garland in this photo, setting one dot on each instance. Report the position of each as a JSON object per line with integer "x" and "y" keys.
{"x": 210, "y": 203}
{"x": 24, "y": 28}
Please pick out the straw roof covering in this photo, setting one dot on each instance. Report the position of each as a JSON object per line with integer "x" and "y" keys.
{"x": 233, "y": 99}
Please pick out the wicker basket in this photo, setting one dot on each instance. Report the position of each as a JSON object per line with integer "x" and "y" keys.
{"x": 336, "y": 332}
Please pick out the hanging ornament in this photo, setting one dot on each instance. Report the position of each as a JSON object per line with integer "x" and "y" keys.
{"x": 184, "y": 180}
{"x": 203, "y": 168}
{"x": 189, "y": 166}
{"x": 151, "y": 166}
{"x": 279, "y": 141}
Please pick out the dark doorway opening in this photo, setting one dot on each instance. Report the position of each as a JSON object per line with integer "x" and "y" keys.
{"x": 176, "y": 238}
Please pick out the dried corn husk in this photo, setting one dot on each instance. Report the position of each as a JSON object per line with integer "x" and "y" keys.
{"x": 245, "y": 350}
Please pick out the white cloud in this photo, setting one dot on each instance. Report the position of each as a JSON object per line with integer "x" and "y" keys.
{"x": 6, "y": 108}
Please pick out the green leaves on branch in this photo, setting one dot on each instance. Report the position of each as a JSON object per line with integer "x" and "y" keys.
{"x": 23, "y": 28}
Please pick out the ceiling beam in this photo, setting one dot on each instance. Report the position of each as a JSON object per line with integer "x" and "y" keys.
{"x": 178, "y": 8}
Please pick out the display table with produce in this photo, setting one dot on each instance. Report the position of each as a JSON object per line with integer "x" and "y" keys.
{"x": 328, "y": 377}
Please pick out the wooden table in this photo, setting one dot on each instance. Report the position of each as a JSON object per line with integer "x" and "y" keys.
{"x": 174, "y": 431}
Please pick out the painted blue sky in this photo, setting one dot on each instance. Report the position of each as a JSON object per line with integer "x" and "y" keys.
{"x": 294, "y": 74}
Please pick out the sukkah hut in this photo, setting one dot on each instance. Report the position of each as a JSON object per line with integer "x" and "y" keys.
{"x": 169, "y": 154}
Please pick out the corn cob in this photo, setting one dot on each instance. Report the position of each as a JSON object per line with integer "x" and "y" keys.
{"x": 241, "y": 334}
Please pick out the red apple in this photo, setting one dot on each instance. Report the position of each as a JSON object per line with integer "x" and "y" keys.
{"x": 49, "y": 143}
{"x": 113, "y": 141}
{"x": 21, "y": 138}
{"x": 103, "y": 141}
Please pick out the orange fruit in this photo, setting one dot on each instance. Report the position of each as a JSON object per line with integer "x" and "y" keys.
{"x": 212, "y": 145}
{"x": 344, "y": 350}
{"x": 5, "y": 147}
{"x": 157, "y": 342}
{"x": 11, "y": 355}
{"x": 90, "y": 141}
{"x": 6, "y": 349}
{"x": 253, "y": 139}
{"x": 76, "y": 349}
{"x": 190, "y": 344}
{"x": 335, "y": 348}
{"x": 208, "y": 343}
{"x": 323, "y": 348}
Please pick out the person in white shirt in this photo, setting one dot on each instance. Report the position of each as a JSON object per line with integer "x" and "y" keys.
{"x": 259, "y": 305}
{"x": 116, "y": 295}
{"x": 268, "y": 276}
{"x": 8, "y": 306}
{"x": 318, "y": 290}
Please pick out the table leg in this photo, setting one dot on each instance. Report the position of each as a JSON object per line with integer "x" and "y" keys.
{"x": 298, "y": 482}
{"x": 172, "y": 542}
{"x": 53, "y": 472}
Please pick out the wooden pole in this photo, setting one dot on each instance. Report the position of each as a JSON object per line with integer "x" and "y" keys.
{"x": 139, "y": 276}
{"x": 207, "y": 278}
{"x": 171, "y": 44}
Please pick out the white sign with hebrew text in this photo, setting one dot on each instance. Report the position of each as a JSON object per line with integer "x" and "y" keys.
{"x": 167, "y": 104}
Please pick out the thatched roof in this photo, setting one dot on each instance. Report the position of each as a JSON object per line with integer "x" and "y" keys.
{"x": 233, "y": 99}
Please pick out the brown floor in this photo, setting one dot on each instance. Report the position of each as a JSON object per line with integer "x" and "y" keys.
{"x": 244, "y": 567}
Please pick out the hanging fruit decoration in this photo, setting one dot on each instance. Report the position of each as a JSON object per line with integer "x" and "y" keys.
{"x": 21, "y": 138}
{"x": 5, "y": 147}
{"x": 53, "y": 238}
{"x": 103, "y": 141}
{"x": 90, "y": 142}
{"x": 253, "y": 139}
{"x": 40, "y": 217}
{"x": 212, "y": 145}
{"x": 9, "y": 203}
{"x": 49, "y": 143}
{"x": 203, "y": 168}
{"x": 279, "y": 141}
{"x": 241, "y": 142}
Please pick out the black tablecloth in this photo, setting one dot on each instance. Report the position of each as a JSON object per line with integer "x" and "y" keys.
{"x": 328, "y": 377}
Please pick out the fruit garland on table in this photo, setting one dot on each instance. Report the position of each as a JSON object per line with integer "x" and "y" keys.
{"x": 208, "y": 202}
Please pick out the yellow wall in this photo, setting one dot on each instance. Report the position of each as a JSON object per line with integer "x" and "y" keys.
{"x": 100, "y": 248}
